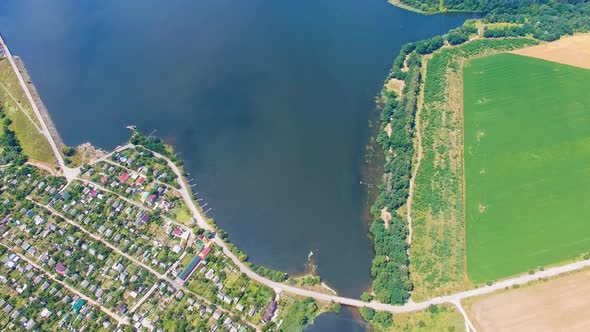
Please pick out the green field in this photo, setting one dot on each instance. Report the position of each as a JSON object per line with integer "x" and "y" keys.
{"x": 527, "y": 164}
{"x": 34, "y": 144}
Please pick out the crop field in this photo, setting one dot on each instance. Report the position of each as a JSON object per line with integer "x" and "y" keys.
{"x": 437, "y": 253}
{"x": 527, "y": 164}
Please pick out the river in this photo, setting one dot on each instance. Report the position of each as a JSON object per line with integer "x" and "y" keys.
{"x": 267, "y": 102}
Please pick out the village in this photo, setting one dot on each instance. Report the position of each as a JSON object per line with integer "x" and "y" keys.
{"x": 117, "y": 248}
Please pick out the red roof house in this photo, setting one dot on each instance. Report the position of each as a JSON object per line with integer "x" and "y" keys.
{"x": 123, "y": 177}
{"x": 104, "y": 179}
{"x": 205, "y": 252}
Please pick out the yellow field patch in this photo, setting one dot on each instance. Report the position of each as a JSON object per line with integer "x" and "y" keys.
{"x": 396, "y": 86}
{"x": 560, "y": 304}
{"x": 573, "y": 50}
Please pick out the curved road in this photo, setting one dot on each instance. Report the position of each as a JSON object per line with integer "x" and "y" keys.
{"x": 71, "y": 173}
{"x": 408, "y": 307}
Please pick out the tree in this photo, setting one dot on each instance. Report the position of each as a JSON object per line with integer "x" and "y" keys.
{"x": 367, "y": 313}
{"x": 366, "y": 296}
{"x": 68, "y": 151}
{"x": 456, "y": 38}
{"x": 384, "y": 318}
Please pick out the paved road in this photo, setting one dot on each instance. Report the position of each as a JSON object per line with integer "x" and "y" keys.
{"x": 408, "y": 307}
{"x": 69, "y": 173}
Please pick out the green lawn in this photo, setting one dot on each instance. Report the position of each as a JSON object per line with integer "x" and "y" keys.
{"x": 34, "y": 144}
{"x": 527, "y": 164}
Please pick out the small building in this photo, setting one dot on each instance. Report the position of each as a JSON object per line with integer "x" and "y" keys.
{"x": 78, "y": 305}
{"x": 189, "y": 269}
{"x": 60, "y": 268}
{"x": 123, "y": 177}
{"x": 205, "y": 252}
{"x": 270, "y": 311}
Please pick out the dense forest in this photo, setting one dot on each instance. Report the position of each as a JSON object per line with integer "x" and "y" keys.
{"x": 544, "y": 19}
{"x": 11, "y": 150}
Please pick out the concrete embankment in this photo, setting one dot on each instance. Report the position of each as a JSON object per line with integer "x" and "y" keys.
{"x": 42, "y": 109}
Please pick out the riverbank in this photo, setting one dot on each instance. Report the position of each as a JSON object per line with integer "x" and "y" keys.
{"x": 38, "y": 102}
{"x": 401, "y": 5}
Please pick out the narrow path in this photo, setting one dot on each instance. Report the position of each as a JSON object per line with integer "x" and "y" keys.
{"x": 143, "y": 298}
{"x": 72, "y": 174}
{"x": 21, "y": 107}
{"x": 408, "y": 307}
{"x": 469, "y": 327}
{"x": 69, "y": 173}
{"x": 136, "y": 261}
{"x": 119, "y": 319}
{"x": 417, "y": 124}
{"x": 42, "y": 166}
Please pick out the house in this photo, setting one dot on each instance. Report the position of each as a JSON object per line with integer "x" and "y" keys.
{"x": 147, "y": 323}
{"x": 153, "y": 198}
{"x": 140, "y": 181}
{"x": 217, "y": 314}
{"x": 270, "y": 311}
{"x": 45, "y": 313}
{"x": 30, "y": 325}
{"x": 177, "y": 232}
{"x": 39, "y": 220}
{"x": 78, "y": 305}
{"x": 189, "y": 269}
{"x": 122, "y": 308}
{"x": 205, "y": 252}
{"x": 60, "y": 268}
{"x": 123, "y": 177}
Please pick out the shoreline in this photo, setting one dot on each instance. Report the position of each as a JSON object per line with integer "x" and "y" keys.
{"x": 39, "y": 102}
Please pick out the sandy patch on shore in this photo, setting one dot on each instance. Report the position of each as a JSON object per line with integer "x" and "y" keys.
{"x": 561, "y": 304}
{"x": 388, "y": 129}
{"x": 386, "y": 216}
{"x": 573, "y": 50}
{"x": 396, "y": 86}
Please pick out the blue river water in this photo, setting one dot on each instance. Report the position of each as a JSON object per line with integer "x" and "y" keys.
{"x": 267, "y": 102}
